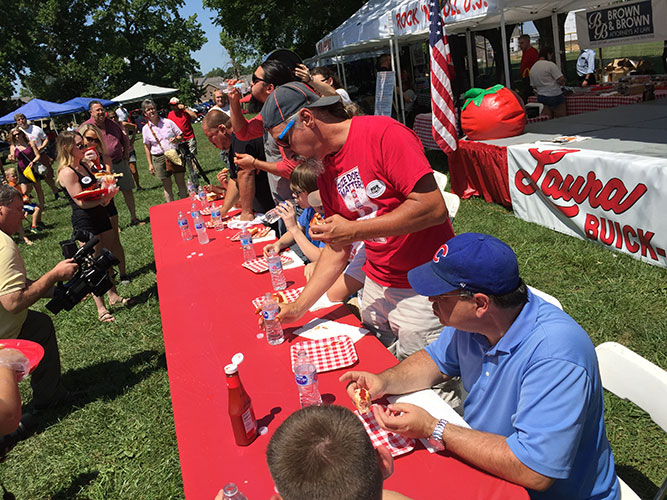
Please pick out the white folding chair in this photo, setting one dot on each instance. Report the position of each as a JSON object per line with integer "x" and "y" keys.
{"x": 629, "y": 376}
{"x": 452, "y": 200}
{"x": 543, "y": 295}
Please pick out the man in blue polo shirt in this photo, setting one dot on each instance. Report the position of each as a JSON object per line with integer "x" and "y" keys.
{"x": 535, "y": 403}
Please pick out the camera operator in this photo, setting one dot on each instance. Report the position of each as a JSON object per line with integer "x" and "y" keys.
{"x": 18, "y": 293}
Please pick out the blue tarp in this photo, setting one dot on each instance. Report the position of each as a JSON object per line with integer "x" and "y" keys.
{"x": 83, "y": 102}
{"x": 38, "y": 108}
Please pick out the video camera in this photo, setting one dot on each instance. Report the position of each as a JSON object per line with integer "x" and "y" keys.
{"x": 184, "y": 151}
{"x": 92, "y": 275}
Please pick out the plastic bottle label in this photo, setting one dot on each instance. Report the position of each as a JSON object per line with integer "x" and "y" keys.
{"x": 199, "y": 226}
{"x": 215, "y": 213}
{"x": 196, "y": 214}
{"x": 183, "y": 223}
{"x": 269, "y": 315}
{"x": 248, "y": 421}
{"x": 305, "y": 379}
{"x": 275, "y": 266}
{"x": 246, "y": 240}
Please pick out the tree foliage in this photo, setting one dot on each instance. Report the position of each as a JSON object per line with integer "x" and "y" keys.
{"x": 65, "y": 48}
{"x": 264, "y": 25}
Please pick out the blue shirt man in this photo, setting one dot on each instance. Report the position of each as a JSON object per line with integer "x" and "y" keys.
{"x": 535, "y": 401}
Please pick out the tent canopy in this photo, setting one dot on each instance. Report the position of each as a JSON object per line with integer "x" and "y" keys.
{"x": 38, "y": 108}
{"x": 141, "y": 90}
{"x": 84, "y": 102}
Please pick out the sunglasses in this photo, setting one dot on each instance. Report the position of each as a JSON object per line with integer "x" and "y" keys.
{"x": 91, "y": 139}
{"x": 79, "y": 145}
{"x": 283, "y": 138}
{"x": 256, "y": 79}
{"x": 447, "y": 295}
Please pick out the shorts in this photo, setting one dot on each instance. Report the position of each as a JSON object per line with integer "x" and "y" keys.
{"x": 551, "y": 100}
{"x": 22, "y": 178}
{"x": 353, "y": 269}
{"x": 126, "y": 182}
{"x": 94, "y": 220}
{"x": 111, "y": 209}
{"x": 160, "y": 164}
{"x": 133, "y": 157}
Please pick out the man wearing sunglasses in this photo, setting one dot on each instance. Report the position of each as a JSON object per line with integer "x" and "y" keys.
{"x": 377, "y": 186}
{"x": 535, "y": 403}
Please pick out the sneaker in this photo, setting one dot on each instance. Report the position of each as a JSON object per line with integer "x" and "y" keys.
{"x": 124, "y": 279}
{"x": 34, "y": 230}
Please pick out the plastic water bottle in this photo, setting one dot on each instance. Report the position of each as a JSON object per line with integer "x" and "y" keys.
{"x": 231, "y": 492}
{"x": 276, "y": 269}
{"x": 202, "y": 198}
{"x": 216, "y": 217}
{"x": 192, "y": 192}
{"x": 186, "y": 234}
{"x": 200, "y": 227}
{"x": 246, "y": 245}
{"x": 306, "y": 380}
{"x": 270, "y": 217}
{"x": 272, "y": 326}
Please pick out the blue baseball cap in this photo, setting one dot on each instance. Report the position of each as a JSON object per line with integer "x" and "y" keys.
{"x": 474, "y": 262}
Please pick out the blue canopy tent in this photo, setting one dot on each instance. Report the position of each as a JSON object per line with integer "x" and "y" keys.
{"x": 38, "y": 108}
{"x": 84, "y": 102}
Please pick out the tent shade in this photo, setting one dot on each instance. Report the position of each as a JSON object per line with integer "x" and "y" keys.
{"x": 38, "y": 108}
{"x": 84, "y": 102}
{"x": 141, "y": 90}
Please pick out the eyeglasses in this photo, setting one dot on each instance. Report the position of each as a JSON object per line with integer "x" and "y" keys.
{"x": 283, "y": 138}
{"x": 91, "y": 139}
{"x": 256, "y": 79}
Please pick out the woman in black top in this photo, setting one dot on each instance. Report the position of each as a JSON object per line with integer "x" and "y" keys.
{"x": 75, "y": 175}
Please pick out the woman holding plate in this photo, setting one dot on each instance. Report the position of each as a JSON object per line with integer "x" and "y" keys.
{"x": 160, "y": 137}
{"x": 90, "y": 215}
{"x": 26, "y": 154}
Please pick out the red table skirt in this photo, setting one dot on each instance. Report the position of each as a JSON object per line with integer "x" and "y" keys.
{"x": 479, "y": 169}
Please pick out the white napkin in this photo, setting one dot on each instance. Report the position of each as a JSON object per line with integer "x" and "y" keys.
{"x": 235, "y": 223}
{"x": 322, "y": 303}
{"x": 270, "y": 236}
{"x": 432, "y": 403}
{"x": 323, "y": 328}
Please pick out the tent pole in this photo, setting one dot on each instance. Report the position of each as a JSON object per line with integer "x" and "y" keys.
{"x": 342, "y": 65}
{"x": 401, "y": 99}
{"x": 393, "y": 70}
{"x": 554, "y": 28}
{"x": 471, "y": 55}
{"x": 503, "y": 40}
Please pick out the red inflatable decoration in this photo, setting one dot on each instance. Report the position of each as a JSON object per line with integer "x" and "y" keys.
{"x": 494, "y": 113}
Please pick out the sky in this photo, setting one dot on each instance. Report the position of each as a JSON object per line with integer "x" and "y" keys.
{"x": 212, "y": 54}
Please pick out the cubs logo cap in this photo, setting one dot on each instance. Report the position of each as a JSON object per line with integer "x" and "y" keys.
{"x": 474, "y": 262}
{"x": 290, "y": 98}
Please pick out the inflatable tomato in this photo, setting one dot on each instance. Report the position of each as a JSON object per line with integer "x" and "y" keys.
{"x": 493, "y": 113}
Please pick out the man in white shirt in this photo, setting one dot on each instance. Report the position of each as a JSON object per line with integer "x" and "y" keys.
{"x": 37, "y": 135}
{"x": 586, "y": 67}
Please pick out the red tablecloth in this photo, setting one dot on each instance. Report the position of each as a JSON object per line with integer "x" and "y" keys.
{"x": 479, "y": 169}
{"x": 207, "y": 316}
{"x": 584, "y": 103}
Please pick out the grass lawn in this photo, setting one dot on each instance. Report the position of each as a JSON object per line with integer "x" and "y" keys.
{"x": 120, "y": 442}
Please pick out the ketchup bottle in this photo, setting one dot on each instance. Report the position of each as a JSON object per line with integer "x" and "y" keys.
{"x": 239, "y": 403}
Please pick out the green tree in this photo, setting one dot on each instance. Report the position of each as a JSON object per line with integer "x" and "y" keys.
{"x": 100, "y": 47}
{"x": 264, "y": 25}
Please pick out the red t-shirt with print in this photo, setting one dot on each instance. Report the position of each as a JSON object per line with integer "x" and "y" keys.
{"x": 373, "y": 173}
{"x": 182, "y": 121}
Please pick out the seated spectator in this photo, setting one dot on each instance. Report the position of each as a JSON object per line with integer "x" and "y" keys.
{"x": 535, "y": 403}
{"x": 17, "y": 294}
{"x": 341, "y": 461}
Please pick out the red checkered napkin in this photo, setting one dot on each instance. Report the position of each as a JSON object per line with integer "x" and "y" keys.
{"x": 263, "y": 231}
{"x": 327, "y": 354}
{"x": 259, "y": 265}
{"x": 291, "y": 295}
{"x": 397, "y": 444}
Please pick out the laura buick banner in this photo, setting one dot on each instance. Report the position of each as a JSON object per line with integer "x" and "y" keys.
{"x": 615, "y": 200}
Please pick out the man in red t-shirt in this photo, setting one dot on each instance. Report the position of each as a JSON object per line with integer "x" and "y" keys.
{"x": 182, "y": 116}
{"x": 376, "y": 185}
{"x": 529, "y": 56}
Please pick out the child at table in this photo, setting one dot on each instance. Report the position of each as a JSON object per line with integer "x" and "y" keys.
{"x": 303, "y": 181}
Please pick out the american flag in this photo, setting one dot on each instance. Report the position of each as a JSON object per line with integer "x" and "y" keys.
{"x": 444, "y": 117}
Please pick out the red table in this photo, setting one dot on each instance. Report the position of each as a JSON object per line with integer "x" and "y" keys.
{"x": 207, "y": 316}
{"x": 585, "y": 103}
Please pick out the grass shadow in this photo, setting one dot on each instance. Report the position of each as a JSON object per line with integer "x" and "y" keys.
{"x": 76, "y": 485}
{"x": 143, "y": 297}
{"x": 637, "y": 481}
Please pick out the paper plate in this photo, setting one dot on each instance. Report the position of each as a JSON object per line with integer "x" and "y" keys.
{"x": 31, "y": 350}
{"x": 91, "y": 194}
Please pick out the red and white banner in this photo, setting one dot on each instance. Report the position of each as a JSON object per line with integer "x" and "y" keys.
{"x": 413, "y": 17}
{"x": 615, "y": 199}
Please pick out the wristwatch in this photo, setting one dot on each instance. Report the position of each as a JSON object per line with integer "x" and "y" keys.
{"x": 435, "y": 439}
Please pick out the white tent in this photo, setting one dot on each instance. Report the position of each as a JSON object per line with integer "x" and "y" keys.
{"x": 141, "y": 90}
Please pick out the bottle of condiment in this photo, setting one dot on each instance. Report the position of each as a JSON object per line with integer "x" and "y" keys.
{"x": 239, "y": 403}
